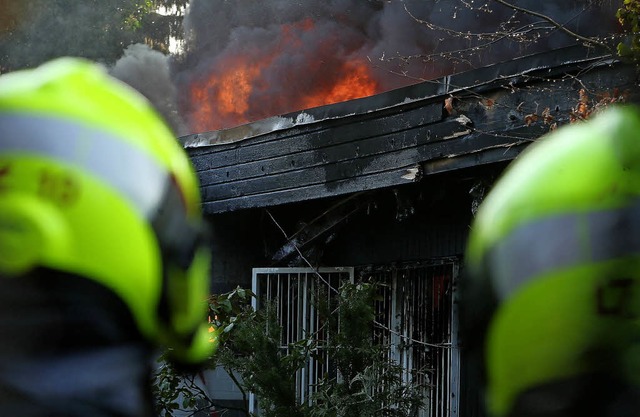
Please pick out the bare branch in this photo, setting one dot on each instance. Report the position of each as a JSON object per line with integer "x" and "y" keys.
{"x": 559, "y": 26}
{"x": 411, "y": 339}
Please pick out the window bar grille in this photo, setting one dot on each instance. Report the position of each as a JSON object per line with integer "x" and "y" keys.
{"x": 291, "y": 289}
{"x": 419, "y": 325}
{"x": 417, "y": 313}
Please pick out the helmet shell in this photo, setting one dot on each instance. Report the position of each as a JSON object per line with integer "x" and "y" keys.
{"x": 552, "y": 288}
{"x": 85, "y": 165}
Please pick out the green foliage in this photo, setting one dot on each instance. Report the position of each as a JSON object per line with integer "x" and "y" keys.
{"x": 174, "y": 390}
{"x": 364, "y": 381}
{"x": 629, "y": 17}
{"x": 253, "y": 351}
{"x": 368, "y": 382}
{"x": 99, "y": 30}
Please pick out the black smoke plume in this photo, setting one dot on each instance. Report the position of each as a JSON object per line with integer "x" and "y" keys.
{"x": 403, "y": 42}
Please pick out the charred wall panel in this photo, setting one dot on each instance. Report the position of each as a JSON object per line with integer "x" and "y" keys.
{"x": 237, "y": 246}
{"x": 407, "y": 224}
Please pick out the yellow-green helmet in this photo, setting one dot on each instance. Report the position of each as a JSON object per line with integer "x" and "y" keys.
{"x": 92, "y": 182}
{"x": 552, "y": 286}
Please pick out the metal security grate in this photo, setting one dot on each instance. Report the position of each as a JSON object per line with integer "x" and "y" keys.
{"x": 417, "y": 318}
{"x": 293, "y": 291}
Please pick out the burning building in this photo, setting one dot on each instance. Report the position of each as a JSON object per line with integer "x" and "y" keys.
{"x": 386, "y": 186}
{"x": 364, "y": 174}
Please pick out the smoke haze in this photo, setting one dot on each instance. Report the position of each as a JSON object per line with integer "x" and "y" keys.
{"x": 147, "y": 71}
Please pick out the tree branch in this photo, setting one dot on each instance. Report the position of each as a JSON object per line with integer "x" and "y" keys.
{"x": 561, "y": 27}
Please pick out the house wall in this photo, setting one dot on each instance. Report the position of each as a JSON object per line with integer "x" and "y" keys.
{"x": 236, "y": 248}
{"x": 415, "y": 222}
{"x": 406, "y": 224}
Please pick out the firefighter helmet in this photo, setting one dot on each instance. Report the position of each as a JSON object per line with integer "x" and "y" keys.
{"x": 92, "y": 182}
{"x": 552, "y": 290}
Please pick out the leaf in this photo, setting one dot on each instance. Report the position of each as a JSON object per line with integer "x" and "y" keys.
{"x": 547, "y": 118}
{"x": 448, "y": 105}
{"x": 226, "y": 304}
{"x": 529, "y": 119}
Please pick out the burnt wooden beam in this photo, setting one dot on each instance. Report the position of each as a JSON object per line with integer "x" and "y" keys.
{"x": 310, "y": 237}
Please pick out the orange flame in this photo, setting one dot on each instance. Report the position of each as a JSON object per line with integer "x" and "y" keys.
{"x": 355, "y": 82}
{"x": 224, "y": 98}
{"x": 227, "y": 96}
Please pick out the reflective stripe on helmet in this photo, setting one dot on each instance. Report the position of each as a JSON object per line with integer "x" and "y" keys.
{"x": 125, "y": 167}
{"x": 563, "y": 241}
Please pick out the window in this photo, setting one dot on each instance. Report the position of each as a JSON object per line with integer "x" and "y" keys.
{"x": 416, "y": 317}
{"x": 293, "y": 290}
